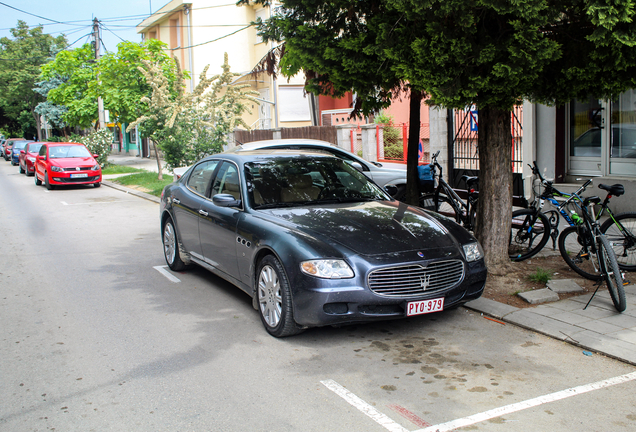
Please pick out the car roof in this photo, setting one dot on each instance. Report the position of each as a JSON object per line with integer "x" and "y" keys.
{"x": 244, "y": 155}
{"x": 283, "y": 142}
{"x": 61, "y": 143}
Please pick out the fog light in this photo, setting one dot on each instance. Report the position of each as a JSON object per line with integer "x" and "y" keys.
{"x": 336, "y": 308}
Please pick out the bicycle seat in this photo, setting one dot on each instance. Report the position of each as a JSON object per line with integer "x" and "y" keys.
{"x": 615, "y": 189}
{"x": 470, "y": 180}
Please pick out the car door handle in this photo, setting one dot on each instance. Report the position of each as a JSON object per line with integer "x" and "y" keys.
{"x": 176, "y": 201}
{"x": 204, "y": 213}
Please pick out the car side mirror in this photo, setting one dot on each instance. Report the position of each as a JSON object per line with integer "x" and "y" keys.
{"x": 22, "y": 152}
{"x": 391, "y": 189}
{"x": 40, "y": 157}
{"x": 95, "y": 156}
{"x": 357, "y": 165}
{"x": 226, "y": 200}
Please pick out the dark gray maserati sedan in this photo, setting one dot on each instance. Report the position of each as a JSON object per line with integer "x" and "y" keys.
{"x": 314, "y": 242}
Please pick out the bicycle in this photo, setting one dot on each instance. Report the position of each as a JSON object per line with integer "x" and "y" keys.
{"x": 531, "y": 224}
{"x": 444, "y": 200}
{"x": 584, "y": 247}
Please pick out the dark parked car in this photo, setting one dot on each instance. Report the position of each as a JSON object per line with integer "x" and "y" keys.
{"x": 314, "y": 242}
{"x": 15, "y": 151}
{"x": 8, "y": 147}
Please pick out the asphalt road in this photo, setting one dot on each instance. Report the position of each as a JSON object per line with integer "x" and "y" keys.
{"x": 94, "y": 338}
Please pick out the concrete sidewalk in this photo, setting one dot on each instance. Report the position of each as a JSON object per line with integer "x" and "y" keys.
{"x": 599, "y": 328}
{"x": 148, "y": 164}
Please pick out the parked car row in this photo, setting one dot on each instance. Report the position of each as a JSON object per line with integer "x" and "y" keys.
{"x": 313, "y": 240}
{"x": 54, "y": 164}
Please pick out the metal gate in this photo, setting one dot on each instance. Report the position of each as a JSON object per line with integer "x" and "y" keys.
{"x": 463, "y": 151}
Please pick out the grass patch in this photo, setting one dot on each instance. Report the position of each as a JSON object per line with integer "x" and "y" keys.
{"x": 540, "y": 276}
{"x": 146, "y": 180}
{"x": 119, "y": 169}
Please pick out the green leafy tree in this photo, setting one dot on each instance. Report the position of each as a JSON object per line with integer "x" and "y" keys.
{"x": 115, "y": 77}
{"x": 189, "y": 126}
{"x": 77, "y": 71}
{"x": 52, "y": 113}
{"x": 493, "y": 54}
{"x": 20, "y": 59}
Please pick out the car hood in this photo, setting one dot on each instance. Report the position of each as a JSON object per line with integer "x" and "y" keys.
{"x": 73, "y": 162}
{"x": 370, "y": 228}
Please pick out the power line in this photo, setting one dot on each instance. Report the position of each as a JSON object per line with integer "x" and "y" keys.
{"x": 37, "y": 16}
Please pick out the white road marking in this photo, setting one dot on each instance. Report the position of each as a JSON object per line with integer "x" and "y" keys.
{"x": 164, "y": 271}
{"x": 361, "y": 405}
{"x": 96, "y": 202}
{"x": 498, "y": 412}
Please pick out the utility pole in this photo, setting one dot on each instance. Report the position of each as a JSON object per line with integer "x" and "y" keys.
{"x": 100, "y": 103}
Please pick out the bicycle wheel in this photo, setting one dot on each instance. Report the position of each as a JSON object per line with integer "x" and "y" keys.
{"x": 529, "y": 233}
{"x": 576, "y": 246}
{"x": 444, "y": 206}
{"x": 622, "y": 241}
{"x": 612, "y": 273}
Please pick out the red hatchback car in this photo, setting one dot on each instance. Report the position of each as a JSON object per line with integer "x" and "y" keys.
{"x": 27, "y": 158}
{"x": 59, "y": 164}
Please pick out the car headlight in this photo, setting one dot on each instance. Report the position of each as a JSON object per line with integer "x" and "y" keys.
{"x": 31, "y": 159}
{"x": 95, "y": 168}
{"x": 56, "y": 168}
{"x": 327, "y": 269}
{"x": 473, "y": 252}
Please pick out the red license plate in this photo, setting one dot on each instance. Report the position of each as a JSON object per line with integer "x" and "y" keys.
{"x": 424, "y": 306}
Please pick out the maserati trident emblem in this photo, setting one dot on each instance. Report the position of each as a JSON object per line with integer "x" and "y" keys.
{"x": 425, "y": 281}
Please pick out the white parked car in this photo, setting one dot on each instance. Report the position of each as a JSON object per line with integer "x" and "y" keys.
{"x": 381, "y": 174}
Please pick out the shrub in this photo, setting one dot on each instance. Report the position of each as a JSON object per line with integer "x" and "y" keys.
{"x": 98, "y": 142}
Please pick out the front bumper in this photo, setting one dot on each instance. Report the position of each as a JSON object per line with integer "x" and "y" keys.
{"x": 65, "y": 178}
{"x": 349, "y": 300}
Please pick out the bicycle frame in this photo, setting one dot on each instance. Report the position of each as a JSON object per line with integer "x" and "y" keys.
{"x": 462, "y": 209}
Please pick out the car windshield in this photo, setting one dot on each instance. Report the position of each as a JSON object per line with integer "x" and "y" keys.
{"x": 286, "y": 182}
{"x": 34, "y": 148}
{"x": 19, "y": 145}
{"x": 69, "y": 151}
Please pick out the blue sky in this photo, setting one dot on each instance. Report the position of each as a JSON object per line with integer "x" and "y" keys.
{"x": 118, "y": 17}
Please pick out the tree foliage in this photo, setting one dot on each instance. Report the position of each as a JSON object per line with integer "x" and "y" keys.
{"x": 20, "y": 59}
{"x": 493, "y": 54}
{"x": 115, "y": 77}
{"x": 189, "y": 126}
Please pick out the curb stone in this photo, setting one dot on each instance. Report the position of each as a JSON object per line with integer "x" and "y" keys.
{"x": 130, "y": 191}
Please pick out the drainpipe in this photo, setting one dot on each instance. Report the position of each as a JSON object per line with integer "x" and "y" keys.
{"x": 187, "y": 11}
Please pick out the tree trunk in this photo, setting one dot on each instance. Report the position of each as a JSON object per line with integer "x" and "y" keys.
{"x": 412, "y": 179}
{"x": 495, "y": 187}
{"x": 160, "y": 176}
{"x": 38, "y": 124}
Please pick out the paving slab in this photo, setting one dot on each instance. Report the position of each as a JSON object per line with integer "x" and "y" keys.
{"x": 562, "y": 286}
{"x": 539, "y": 296}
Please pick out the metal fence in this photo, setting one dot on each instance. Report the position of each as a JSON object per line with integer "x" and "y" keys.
{"x": 392, "y": 142}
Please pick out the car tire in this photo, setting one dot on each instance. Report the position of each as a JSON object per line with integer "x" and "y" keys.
{"x": 48, "y": 185}
{"x": 98, "y": 184}
{"x": 170, "y": 242}
{"x": 274, "y": 298}
{"x": 38, "y": 182}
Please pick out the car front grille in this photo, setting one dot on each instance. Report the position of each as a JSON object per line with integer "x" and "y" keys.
{"x": 77, "y": 180}
{"x": 416, "y": 279}
{"x": 88, "y": 168}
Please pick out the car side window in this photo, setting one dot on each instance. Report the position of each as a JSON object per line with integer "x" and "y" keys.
{"x": 201, "y": 175}
{"x": 227, "y": 181}
{"x": 42, "y": 151}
